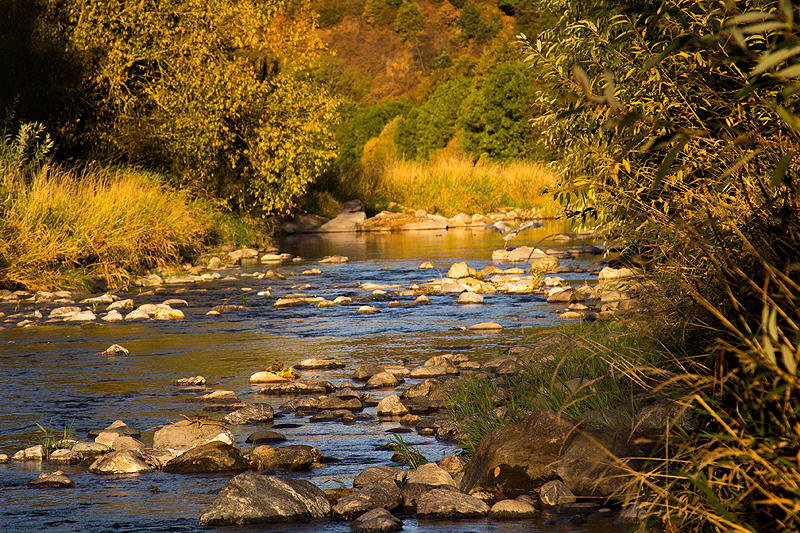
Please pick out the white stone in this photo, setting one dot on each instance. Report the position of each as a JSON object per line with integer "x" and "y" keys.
{"x": 470, "y": 298}
{"x": 83, "y": 316}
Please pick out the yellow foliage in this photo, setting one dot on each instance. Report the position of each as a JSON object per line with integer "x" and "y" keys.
{"x": 215, "y": 92}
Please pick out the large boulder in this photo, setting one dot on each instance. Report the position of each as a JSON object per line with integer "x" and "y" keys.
{"x": 515, "y": 457}
{"x": 443, "y": 504}
{"x": 251, "y": 499}
{"x": 212, "y": 457}
{"x": 185, "y": 434}
{"x": 601, "y": 461}
{"x": 384, "y": 494}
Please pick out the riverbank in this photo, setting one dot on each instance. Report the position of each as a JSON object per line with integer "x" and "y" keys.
{"x": 96, "y": 227}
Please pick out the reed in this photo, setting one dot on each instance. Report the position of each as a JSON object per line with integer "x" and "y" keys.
{"x": 59, "y": 226}
{"x": 452, "y": 184}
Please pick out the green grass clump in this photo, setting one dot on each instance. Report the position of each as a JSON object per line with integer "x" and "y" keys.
{"x": 593, "y": 369}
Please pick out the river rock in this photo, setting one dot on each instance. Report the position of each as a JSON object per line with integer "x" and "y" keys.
{"x": 427, "y": 265}
{"x": 555, "y": 493}
{"x": 236, "y": 256}
{"x": 126, "y": 304}
{"x": 267, "y": 377}
{"x": 429, "y": 474}
{"x": 486, "y": 326}
{"x": 335, "y": 259}
{"x": 55, "y": 480}
{"x": 123, "y": 442}
{"x": 461, "y": 270}
{"x": 469, "y": 298}
{"x": 263, "y": 436}
{"x": 300, "y": 386}
{"x": 319, "y": 362}
{"x": 153, "y": 280}
{"x": 374, "y": 474}
{"x": 66, "y": 457}
{"x": 189, "y": 382}
{"x": 251, "y": 499}
{"x": 115, "y": 349}
{"x": 306, "y": 223}
{"x": 287, "y": 457}
{"x": 83, "y": 316}
{"x": 212, "y": 457}
{"x": 113, "y": 316}
{"x": 518, "y": 508}
{"x": 123, "y": 462}
{"x": 32, "y": 453}
{"x": 600, "y": 461}
{"x": 364, "y": 372}
{"x": 391, "y": 406}
{"x": 185, "y": 434}
{"x": 618, "y": 273}
{"x": 422, "y": 300}
{"x": 443, "y": 504}
{"x": 384, "y": 380}
{"x": 89, "y": 448}
{"x": 568, "y": 296}
{"x": 376, "y": 521}
{"x": 253, "y": 413}
{"x": 513, "y": 457}
{"x": 345, "y": 222}
{"x": 64, "y": 312}
{"x": 367, "y": 309}
{"x": 337, "y": 402}
{"x": 432, "y": 371}
{"x": 521, "y": 253}
{"x": 216, "y": 397}
{"x": 384, "y": 493}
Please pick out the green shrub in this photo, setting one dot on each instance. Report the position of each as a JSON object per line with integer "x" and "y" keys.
{"x": 362, "y": 125}
{"x": 474, "y": 26}
{"x": 409, "y": 21}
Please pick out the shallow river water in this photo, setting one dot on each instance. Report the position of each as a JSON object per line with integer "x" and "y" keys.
{"x": 51, "y": 375}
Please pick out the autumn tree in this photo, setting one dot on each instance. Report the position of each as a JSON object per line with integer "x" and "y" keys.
{"x": 219, "y": 94}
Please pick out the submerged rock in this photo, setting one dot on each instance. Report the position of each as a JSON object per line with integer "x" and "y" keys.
{"x": 252, "y": 499}
{"x": 55, "y": 480}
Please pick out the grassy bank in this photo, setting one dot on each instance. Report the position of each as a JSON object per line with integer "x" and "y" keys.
{"x": 59, "y": 227}
{"x": 451, "y": 183}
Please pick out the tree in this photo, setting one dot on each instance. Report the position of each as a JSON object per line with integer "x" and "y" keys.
{"x": 409, "y": 21}
{"x": 217, "y": 93}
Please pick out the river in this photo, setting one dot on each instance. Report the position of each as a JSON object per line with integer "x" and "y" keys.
{"x": 51, "y": 375}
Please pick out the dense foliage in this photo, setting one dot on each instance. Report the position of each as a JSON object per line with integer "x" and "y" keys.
{"x": 676, "y": 125}
{"x": 219, "y": 95}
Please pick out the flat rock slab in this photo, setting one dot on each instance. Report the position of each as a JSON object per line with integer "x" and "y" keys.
{"x": 252, "y": 499}
{"x": 186, "y": 434}
{"x": 443, "y": 504}
{"x": 300, "y": 386}
{"x": 123, "y": 462}
{"x": 319, "y": 362}
{"x": 251, "y": 414}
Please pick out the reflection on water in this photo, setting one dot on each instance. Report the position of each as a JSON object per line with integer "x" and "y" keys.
{"x": 51, "y": 375}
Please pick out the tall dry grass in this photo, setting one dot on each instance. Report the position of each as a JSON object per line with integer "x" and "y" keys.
{"x": 449, "y": 185}
{"x": 59, "y": 226}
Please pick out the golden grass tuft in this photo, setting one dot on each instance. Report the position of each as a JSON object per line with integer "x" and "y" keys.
{"x": 58, "y": 226}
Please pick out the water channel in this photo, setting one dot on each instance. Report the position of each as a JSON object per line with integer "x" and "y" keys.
{"x": 51, "y": 375}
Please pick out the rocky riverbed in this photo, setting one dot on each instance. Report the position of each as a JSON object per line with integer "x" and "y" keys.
{"x": 241, "y": 429}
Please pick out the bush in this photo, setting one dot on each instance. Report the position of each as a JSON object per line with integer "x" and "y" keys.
{"x": 474, "y": 26}
{"x": 682, "y": 138}
{"x": 409, "y": 21}
{"x": 431, "y": 125}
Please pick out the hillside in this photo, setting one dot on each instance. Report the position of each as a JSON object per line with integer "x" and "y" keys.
{"x": 375, "y": 63}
